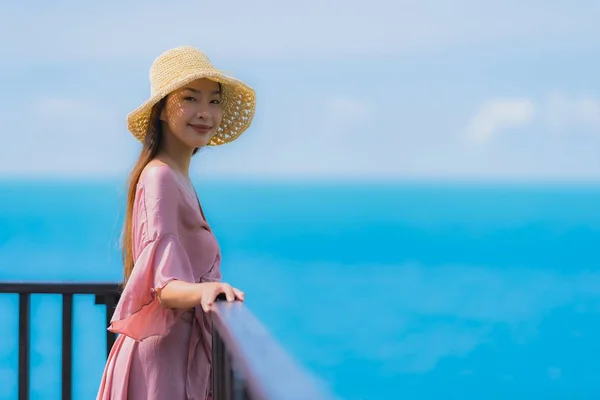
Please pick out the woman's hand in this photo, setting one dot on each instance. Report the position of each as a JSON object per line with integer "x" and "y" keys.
{"x": 210, "y": 290}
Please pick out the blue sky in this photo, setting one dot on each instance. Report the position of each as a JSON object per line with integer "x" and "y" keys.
{"x": 432, "y": 89}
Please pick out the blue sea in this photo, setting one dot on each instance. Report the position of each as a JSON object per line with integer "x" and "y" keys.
{"x": 403, "y": 291}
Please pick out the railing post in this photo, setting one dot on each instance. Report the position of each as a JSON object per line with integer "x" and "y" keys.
{"x": 67, "y": 345}
{"x": 217, "y": 367}
{"x": 247, "y": 364}
{"x": 110, "y": 302}
{"x": 105, "y": 293}
{"x": 24, "y": 346}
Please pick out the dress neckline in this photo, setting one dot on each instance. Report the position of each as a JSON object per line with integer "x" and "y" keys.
{"x": 188, "y": 188}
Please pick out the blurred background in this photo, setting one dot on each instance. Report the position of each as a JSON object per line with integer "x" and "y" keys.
{"x": 414, "y": 213}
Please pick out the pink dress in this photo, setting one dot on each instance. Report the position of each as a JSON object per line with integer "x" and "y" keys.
{"x": 161, "y": 353}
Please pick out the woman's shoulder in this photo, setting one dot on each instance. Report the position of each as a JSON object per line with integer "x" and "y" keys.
{"x": 159, "y": 181}
{"x": 157, "y": 172}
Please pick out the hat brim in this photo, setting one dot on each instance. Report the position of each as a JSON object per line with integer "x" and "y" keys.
{"x": 238, "y": 106}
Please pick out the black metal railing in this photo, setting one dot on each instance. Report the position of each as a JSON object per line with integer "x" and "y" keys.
{"x": 105, "y": 293}
{"x": 247, "y": 363}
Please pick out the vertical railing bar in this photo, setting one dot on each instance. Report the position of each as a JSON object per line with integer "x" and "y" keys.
{"x": 110, "y": 309}
{"x": 214, "y": 364}
{"x": 107, "y": 292}
{"x": 238, "y": 385}
{"x": 23, "y": 346}
{"x": 246, "y": 393}
{"x": 67, "y": 345}
{"x": 217, "y": 366}
{"x": 228, "y": 382}
{"x": 227, "y": 374}
{"x": 223, "y": 369}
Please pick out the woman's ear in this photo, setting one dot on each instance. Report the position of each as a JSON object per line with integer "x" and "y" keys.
{"x": 163, "y": 110}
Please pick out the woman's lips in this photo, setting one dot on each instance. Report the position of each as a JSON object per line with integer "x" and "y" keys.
{"x": 200, "y": 128}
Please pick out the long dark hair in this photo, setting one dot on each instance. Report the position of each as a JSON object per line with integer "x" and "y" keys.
{"x": 150, "y": 148}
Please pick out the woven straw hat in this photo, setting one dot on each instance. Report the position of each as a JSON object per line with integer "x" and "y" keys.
{"x": 179, "y": 66}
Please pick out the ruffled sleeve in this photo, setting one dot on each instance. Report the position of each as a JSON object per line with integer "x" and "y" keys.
{"x": 159, "y": 259}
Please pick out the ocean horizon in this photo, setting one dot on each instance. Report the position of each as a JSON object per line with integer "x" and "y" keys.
{"x": 413, "y": 289}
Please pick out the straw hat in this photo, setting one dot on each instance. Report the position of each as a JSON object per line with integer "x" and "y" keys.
{"x": 179, "y": 66}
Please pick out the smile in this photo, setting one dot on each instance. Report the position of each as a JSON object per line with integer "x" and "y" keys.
{"x": 200, "y": 128}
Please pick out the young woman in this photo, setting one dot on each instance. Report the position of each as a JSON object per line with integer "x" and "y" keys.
{"x": 171, "y": 257}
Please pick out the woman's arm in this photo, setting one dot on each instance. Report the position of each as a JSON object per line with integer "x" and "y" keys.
{"x": 179, "y": 294}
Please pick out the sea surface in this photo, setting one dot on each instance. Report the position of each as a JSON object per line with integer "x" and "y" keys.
{"x": 382, "y": 291}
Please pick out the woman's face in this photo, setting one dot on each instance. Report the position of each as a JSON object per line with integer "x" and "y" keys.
{"x": 193, "y": 113}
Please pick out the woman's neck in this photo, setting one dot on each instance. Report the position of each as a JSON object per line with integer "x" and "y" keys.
{"x": 179, "y": 164}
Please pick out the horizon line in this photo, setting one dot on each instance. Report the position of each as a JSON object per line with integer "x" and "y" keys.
{"x": 304, "y": 179}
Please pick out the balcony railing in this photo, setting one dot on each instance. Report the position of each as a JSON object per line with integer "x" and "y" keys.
{"x": 248, "y": 363}
{"x": 105, "y": 293}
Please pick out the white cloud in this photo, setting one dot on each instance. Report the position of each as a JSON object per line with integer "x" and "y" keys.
{"x": 403, "y": 129}
{"x": 496, "y": 115}
{"x": 336, "y": 137}
{"x": 556, "y": 112}
{"x": 111, "y": 30}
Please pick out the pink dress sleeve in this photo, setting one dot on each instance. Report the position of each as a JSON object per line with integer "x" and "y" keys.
{"x": 159, "y": 259}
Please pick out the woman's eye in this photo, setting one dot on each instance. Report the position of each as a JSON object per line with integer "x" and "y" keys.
{"x": 216, "y": 102}
{"x": 188, "y": 98}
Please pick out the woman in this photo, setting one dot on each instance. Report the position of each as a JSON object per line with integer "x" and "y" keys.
{"x": 171, "y": 258}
